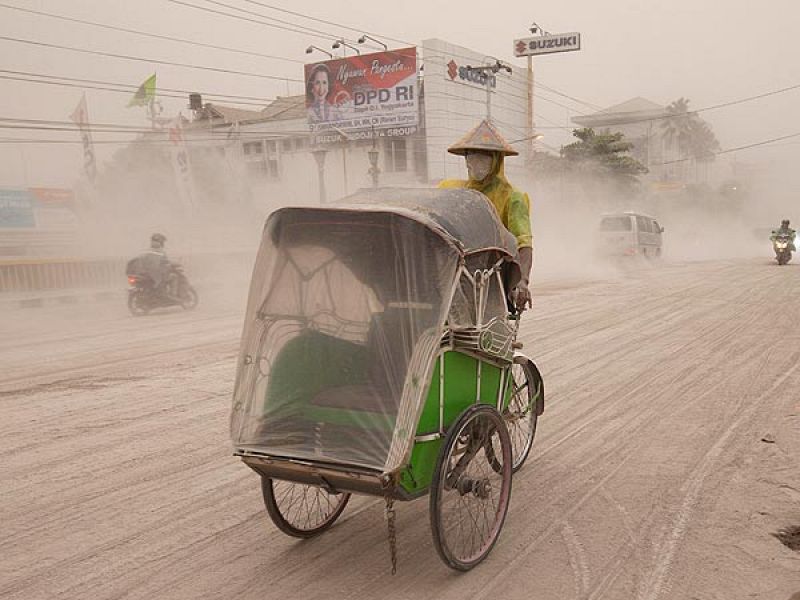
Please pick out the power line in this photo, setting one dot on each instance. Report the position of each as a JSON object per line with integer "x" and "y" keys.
{"x": 307, "y": 31}
{"x": 225, "y": 97}
{"x": 147, "y": 34}
{"x": 255, "y": 14}
{"x": 148, "y": 60}
{"x": 318, "y": 20}
{"x": 736, "y": 149}
{"x": 128, "y": 92}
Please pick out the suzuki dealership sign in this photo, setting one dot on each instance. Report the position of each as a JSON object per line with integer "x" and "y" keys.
{"x": 547, "y": 44}
{"x": 362, "y": 94}
{"x": 465, "y": 74}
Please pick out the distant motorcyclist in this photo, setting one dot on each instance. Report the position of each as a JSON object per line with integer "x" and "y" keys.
{"x": 785, "y": 230}
{"x": 783, "y": 242}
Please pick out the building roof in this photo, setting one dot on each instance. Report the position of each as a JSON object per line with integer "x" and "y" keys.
{"x": 229, "y": 114}
{"x": 284, "y": 108}
{"x": 630, "y": 110}
{"x": 281, "y": 109}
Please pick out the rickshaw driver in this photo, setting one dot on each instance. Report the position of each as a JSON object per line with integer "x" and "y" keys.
{"x": 485, "y": 150}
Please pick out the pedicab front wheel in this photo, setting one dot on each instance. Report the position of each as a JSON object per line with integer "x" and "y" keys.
{"x": 301, "y": 510}
{"x": 471, "y": 489}
{"x": 520, "y": 414}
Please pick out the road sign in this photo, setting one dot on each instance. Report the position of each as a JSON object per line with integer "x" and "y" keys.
{"x": 547, "y": 44}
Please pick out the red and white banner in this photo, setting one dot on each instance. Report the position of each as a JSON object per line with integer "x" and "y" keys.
{"x": 80, "y": 116}
{"x": 181, "y": 164}
{"x": 368, "y": 92}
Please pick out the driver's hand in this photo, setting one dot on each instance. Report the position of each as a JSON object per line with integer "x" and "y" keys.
{"x": 521, "y": 296}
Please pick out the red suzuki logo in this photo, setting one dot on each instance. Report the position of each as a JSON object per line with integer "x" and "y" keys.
{"x": 521, "y": 47}
{"x": 452, "y": 69}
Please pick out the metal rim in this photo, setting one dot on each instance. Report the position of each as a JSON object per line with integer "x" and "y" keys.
{"x": 520, "y": 414}
{"x": 471, "y": 488}
{"x": 301, "y": 510}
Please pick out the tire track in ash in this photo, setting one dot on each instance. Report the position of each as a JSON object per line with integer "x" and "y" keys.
{"x": 712, "y": 336}
{"x": 658, "y": 582}
{"x": 557, "y": 485}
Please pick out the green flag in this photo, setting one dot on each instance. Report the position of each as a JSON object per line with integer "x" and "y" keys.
{"x": 146, "y": 92}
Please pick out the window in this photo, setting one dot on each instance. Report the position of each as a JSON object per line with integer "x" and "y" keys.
{"x": 301, "y": 143}
{"x": 656, "y": 227}
{"x": 643, "y": 225}
{"x": 615, "y": 224}
{"x": 261, "y": 158}
{"x": 396, "y": 159}
{"x": 286, "y": 145}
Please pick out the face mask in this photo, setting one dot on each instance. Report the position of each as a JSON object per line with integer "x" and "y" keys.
{"x": 479, "y": 166}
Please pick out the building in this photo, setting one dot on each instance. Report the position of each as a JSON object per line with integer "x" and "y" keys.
{"x": 275, "y": 159}
{"x": 644, "y": 124}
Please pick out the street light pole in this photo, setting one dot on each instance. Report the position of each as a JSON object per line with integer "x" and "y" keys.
{"x": 374, "y": 171}
{"x": 319, "y": 156}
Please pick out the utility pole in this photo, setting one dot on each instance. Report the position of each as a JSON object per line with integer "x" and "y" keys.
{"x": 493, "y": 68}
{"x": 530, "y": 122}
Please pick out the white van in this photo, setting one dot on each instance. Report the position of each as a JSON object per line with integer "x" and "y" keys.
{"x": 629, "y": 234}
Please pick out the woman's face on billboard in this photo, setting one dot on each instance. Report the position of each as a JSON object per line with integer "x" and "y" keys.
{"x": 319, "y": 85}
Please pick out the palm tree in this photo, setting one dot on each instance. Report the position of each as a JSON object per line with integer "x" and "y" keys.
{"x": 688, "y": 133}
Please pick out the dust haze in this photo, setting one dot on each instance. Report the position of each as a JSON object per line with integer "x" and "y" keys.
{"x": 665, "y": 461}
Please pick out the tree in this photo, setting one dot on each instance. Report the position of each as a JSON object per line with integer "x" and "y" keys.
{"x": 693, "y": 137}
{"x": 603, "y": 156}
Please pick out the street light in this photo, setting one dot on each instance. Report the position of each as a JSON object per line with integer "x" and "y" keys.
{"x": 366, "y": 37}
{"x": 340, "y": 42}
{"x": 310, "y": 49}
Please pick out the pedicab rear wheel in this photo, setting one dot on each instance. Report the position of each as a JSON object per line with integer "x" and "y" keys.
{"x": 301, "y": 510}
{"x": 520, "y": 414}
{"x": 471, "y": 489}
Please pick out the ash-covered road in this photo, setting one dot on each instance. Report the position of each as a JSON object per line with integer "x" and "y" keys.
{"x": 649, "y": 477}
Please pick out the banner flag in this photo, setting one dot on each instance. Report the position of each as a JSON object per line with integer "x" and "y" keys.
{"x": 80, "y": 116}
{"x": 181, "y": 164}
{"x": 146, "y": 92}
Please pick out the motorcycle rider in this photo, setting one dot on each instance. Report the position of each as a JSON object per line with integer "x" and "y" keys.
{"x": 157, "y": 266}
{"x": 784, "y": 229}
{"x": 484, "y": 150}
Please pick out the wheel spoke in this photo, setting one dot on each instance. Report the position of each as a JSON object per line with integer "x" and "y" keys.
{"x": 301, "y": 509}
{"x": 472, "y": 488}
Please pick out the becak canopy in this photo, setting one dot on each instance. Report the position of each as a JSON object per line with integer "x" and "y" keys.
{"x": 345, "y": 314}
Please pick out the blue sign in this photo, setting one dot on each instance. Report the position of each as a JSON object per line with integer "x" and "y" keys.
{"x": 16, "y": 209}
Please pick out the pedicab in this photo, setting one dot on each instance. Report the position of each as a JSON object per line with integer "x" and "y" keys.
{"x": 379, "y": 357}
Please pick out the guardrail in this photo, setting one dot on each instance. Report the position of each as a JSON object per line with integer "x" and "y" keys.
{"x": 47, "y": 274}
{"x": 39, "y": 274}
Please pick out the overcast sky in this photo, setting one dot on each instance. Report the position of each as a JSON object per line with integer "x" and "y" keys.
{"x": 708, "y": 51}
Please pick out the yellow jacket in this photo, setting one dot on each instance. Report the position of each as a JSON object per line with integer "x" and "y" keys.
{"x": 511, "y": 205}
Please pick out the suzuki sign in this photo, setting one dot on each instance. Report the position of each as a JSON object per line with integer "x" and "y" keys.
{"x": 547, "y": 44}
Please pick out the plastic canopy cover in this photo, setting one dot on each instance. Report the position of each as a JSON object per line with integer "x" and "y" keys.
{"x": 346, "y": 310}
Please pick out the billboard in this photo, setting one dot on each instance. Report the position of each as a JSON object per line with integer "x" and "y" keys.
{"x": 547, "y": 44}
{"x": 356, "y": 95}
{"x": 16, "y": 208}
{"x": 37, "y": 207}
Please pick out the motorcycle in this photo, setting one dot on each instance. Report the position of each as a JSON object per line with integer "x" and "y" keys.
{"x": 782, "y": 244}
{"x": 143, "y": 296}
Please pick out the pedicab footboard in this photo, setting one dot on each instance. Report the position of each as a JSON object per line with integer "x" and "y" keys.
{"x": 333, "y": 478}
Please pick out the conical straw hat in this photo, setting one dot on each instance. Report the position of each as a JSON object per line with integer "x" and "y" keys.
{"x": 483, "y": 137}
